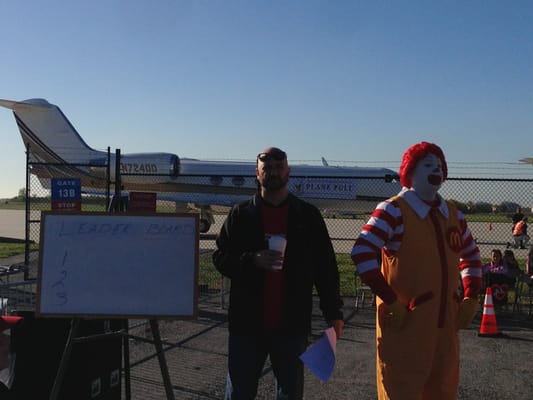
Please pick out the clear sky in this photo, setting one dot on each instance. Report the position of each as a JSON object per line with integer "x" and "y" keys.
{"x": 352, "y": 81}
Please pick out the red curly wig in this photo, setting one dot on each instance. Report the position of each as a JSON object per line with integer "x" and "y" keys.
{"x": 413, "y": 155}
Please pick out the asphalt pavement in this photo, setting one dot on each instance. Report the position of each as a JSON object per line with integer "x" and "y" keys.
{"x": 196, "y": 354}
{"x": 491, "y": 368}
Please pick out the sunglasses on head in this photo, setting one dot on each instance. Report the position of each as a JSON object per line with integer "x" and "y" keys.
{"x": 276, "y": 155}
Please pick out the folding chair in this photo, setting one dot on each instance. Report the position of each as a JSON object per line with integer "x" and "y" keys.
{"x": 362, "y": 292}
{"x": 523, "y": 293}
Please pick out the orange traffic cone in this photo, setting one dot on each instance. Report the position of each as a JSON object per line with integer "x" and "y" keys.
{"x": 489, "y": 326}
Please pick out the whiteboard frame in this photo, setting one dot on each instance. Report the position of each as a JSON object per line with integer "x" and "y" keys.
{"x": 43, "y": 307}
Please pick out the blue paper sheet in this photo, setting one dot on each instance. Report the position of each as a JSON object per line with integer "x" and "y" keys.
{"x": 320, "y": 356}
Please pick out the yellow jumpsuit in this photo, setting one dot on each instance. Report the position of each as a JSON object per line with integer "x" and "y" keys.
{"x": 421, "y": 360}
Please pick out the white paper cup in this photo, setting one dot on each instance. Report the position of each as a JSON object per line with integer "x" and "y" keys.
{"x": 277, "y": 242}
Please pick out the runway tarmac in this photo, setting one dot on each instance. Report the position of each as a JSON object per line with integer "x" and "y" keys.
{"x": 342, "y": 231}
{"x": 12, "y": 224}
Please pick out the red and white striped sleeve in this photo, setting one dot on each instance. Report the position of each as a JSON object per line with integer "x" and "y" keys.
{"x": 470, "y": 260}
{"x": 384, "y": 229}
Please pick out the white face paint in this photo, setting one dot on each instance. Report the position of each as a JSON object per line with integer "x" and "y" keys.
{"x": 427, "y": 177}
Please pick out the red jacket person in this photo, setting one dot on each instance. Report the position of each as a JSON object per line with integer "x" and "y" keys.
{"x": 425, "y": 245}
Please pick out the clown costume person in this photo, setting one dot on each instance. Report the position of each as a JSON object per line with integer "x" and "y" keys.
{"x": 425, "y": 246}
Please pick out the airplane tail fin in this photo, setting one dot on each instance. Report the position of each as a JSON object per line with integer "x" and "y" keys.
{"x": 47, "y": 133}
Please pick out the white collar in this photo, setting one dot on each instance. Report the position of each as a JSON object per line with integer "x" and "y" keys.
{"x": 421, "y": 207}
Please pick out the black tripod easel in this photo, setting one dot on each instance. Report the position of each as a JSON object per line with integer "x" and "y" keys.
{"x": 73, "y": 339}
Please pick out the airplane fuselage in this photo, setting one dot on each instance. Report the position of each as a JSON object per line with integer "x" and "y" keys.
{"x": 57, "y": 150}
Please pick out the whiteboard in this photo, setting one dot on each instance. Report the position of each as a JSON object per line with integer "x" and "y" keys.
{"x": 118, "y": 265}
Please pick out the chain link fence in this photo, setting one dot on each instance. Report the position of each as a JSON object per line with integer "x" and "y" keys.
{"x": 488, "y": 204}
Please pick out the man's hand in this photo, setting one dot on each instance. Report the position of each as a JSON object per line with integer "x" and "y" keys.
{"x": 338, "y": 326}
{"x": 395, "y": 315}
{"x": 466, "y": 313}
{"x": 271, "y": 260}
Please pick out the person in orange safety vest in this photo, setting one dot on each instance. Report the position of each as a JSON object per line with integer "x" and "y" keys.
{"x": 425, "y": 247}
{"x": 520, "y": 235}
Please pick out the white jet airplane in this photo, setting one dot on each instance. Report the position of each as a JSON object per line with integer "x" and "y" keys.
{"x": 51, "y": 140}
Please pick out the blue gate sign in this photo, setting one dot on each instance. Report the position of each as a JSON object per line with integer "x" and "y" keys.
{"x": 66, "y": 194}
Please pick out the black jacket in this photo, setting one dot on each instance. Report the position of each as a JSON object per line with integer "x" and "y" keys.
{"x": 309, "y": 260}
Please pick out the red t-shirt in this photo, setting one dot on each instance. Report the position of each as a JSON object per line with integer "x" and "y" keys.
{"x": 275, "y": 223}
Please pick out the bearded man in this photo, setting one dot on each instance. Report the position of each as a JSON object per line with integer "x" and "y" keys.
{"x": 271, "y": 295}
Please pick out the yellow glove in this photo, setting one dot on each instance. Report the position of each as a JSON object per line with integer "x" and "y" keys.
{"x": 466, "y": 313}
{"x": 395, "y": 315}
